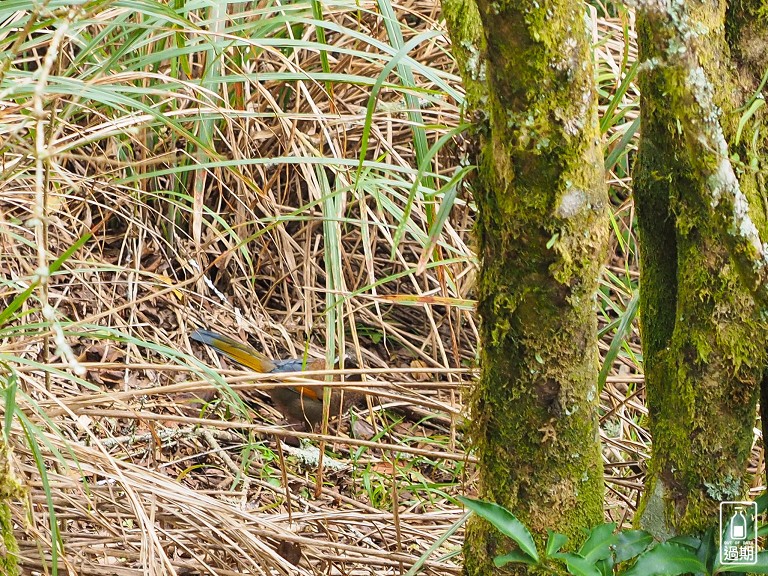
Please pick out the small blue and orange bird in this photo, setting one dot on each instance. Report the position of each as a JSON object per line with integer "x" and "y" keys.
{"x": 299, "y": 404}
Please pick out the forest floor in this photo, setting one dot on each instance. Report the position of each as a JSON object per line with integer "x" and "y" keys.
{"x": 250, "y": 214}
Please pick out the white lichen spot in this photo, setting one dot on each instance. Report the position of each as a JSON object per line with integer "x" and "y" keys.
{"x": 702, "y": 91}
{"x": 720, "y": 181}
{"x": 571, "y": 203}
{"x": 572, "y": 410}
{"x": 742, "y": 223}
{"x": 723, "y": 184}
{"x": 649, "y": 65}
{"x": 676, "y": 47}
{"x": 472, "y": 66}
{"x": 569, "y": 58}
{"x": 577, "y": 117}
{"x": 573, "y": 125}
{"x": 481, "y": 75}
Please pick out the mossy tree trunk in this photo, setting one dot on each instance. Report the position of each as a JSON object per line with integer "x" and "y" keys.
{"x": 701, "y": 203}
{"x": 542, "y": 230}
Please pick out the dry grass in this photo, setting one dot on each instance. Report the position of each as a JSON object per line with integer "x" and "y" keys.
{"x": 226, "y": 193}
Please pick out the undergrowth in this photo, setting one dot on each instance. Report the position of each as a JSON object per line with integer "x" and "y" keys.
{"x": 289, "y": 175}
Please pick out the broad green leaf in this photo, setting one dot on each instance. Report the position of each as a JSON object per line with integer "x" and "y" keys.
{"x": 690, "y": 542}
{"x": 555, "y": 541}
{"x": 631, "y": 543}
{"x": 505, "y": 522}
{"x": 512, "y": 557}
{"x": 606, "y": 566}
{"x": 598, "y": 544}
{"x": 666, "y": 559}
{"x": 578, "y": 565}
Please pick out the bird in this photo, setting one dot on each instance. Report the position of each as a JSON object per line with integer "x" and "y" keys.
{"x": 301, "y": 405}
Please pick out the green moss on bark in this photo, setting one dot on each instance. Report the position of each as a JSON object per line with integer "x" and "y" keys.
{"x": 704, "y": 334}
{"x": 542, "y": 230}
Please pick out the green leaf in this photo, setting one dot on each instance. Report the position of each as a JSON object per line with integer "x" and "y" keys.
{"x": 625, "y": 327}
{"x": 666, "y": 559}
{"x": 608, "y": 118}
{"x": 56, "y": 264}
{"x": 690, "y": 542}
{"x": 505, "y": 522}
{"x": 450, "y": 193}
{"x": 756, "y": 104}
{"x": 551, "y": 241}
{"x": 706, "y": 550}
{"x": 514, "y": 556}
{"x": 16, "y": 303}
{"x": 578, "y": 565}
{"x": 599, "y": 542}
{"x": 555, "y": 541}
{"x": 606, "y": 566}
{"x": 9, "y": 400}
{"x": 621, "y": 148}
{"x": 631, "y": 543}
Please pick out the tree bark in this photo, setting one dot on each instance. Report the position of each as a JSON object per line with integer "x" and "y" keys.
{"x": 701, "y": 214}
{"x": 542, "y": 230}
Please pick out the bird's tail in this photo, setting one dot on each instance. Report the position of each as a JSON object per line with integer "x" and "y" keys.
{"x": 237, "y": 351}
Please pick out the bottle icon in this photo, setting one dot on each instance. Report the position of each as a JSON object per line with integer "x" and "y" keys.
{"x": 738, "y": 525}
{"x": 738, "y": 533}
